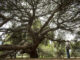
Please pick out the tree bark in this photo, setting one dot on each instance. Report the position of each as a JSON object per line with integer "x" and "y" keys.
{"x": 34, "y": 54}
{"x": 13, "y": 47}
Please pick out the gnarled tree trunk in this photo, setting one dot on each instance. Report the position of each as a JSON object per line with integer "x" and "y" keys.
{"x": 34, "y": 54}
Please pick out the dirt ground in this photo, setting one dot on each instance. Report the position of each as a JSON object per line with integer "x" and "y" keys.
{"x": 43, "y": 59}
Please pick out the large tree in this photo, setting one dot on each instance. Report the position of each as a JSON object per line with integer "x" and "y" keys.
{"x": 35, "y": 21}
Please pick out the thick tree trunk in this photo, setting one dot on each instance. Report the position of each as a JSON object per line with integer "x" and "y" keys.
{"x": 34, "y": 54}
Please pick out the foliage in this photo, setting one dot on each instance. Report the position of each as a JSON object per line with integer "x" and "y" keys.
{"x": 76, "y": 49}
{"x": 32, "y": 24}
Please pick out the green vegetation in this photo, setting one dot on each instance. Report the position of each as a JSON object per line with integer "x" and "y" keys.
{"x": 39, "y": 28}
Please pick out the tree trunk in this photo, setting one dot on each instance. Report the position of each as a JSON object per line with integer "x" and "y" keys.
{"x": 34, "y": 54}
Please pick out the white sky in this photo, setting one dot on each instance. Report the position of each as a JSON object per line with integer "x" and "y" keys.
{"x": 70, "y": 37}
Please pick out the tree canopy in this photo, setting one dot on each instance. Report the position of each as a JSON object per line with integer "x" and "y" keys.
{"x": 30, "y": 23}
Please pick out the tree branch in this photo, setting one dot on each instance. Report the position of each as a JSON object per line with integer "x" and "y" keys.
{"x": 14, "y": 47}
{"x": 5, "y": 20}
{"x": 49, "y": 19}
{"x": 48, "y": 30}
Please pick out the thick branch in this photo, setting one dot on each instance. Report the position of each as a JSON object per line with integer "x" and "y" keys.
{"x": 13, "y": 47}
{"x": 48, "y": 30}
{"x": 49, "y": 19}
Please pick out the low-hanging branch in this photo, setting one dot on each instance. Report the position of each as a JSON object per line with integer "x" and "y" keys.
{"x": 14, "y": 47}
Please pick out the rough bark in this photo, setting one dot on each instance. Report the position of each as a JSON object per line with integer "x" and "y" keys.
{"x": 34, "y": 54}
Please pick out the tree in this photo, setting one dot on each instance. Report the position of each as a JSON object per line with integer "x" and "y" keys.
{"x": 27, "y": 15}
